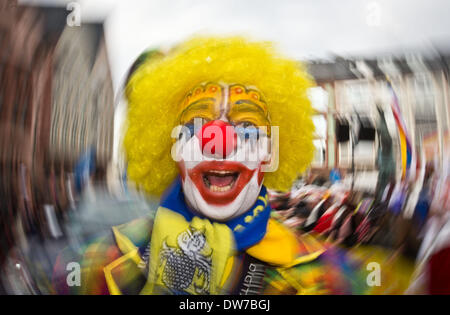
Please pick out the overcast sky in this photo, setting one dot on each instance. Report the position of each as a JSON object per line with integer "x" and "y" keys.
{"x": 302, "y": 29}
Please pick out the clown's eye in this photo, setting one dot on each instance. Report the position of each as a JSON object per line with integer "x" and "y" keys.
{"x": 248, "y": 132}
{"x": 200, "y": 121}
{"x": 245, "y": 124}
{"x": 194, "y": 125}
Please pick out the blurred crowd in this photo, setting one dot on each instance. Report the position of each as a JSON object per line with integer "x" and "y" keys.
{"x": 410, "y": 223}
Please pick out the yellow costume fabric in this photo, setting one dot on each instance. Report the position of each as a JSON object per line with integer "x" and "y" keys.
{"x": 278, "y": 247}
{"x": 175, "y": 240}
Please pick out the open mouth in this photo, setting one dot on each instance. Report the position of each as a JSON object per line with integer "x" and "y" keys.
{"x": 219, "y": 180}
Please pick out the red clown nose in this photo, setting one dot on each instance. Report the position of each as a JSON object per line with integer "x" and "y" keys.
{"x": 217, "y": 139}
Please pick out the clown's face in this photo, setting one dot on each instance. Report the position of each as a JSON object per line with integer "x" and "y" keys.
{"x": 223, "y": 145}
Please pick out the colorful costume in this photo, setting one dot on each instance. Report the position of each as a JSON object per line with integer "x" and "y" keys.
{"x": 206, "y": 125}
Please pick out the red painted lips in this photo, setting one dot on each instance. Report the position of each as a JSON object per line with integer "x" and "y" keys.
{"x": 220, "y": 182}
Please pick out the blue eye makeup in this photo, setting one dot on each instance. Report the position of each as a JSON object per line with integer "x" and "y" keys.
{"x": 247, "y": 132}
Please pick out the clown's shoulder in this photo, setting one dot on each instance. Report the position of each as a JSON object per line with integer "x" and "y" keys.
{"x": 104, "y": 261}
{"x": 281, "y": 263}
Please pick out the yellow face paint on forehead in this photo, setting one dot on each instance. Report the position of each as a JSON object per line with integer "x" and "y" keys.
{"x": 202, "y": 102}
{"x": 247, "y": 105}
{"x": 242, "y": 104}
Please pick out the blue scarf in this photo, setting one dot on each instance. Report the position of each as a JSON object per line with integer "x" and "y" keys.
{"x": 248, "y": 228}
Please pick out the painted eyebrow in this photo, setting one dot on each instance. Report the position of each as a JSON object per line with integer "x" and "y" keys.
{"x": 245, "y": 105}
{"x": 203, "y": 103}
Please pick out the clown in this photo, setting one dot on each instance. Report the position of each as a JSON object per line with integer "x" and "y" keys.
{"x": 232, "y": 108}
{"x": 210, "y": 126}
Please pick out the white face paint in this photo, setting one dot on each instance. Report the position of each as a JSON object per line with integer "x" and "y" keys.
{"x": 245, "y": 193}
{"x": 222, "y": 188}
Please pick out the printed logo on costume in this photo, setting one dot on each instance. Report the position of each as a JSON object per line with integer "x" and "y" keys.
{"x": 187, "y": 266}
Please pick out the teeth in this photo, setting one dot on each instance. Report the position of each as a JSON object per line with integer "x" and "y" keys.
{"x": 215, "y": 188}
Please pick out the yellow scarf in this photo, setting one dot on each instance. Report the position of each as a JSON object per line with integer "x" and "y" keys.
{"x": 187, "y": 257}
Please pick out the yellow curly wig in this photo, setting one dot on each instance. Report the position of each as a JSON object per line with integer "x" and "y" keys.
{"x": 158, "y": 86}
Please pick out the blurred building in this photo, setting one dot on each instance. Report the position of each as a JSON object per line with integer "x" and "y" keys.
{"x": 358, "y": 85}
{"x": 82, "y": 105}
{"x": 56, "y": 102}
